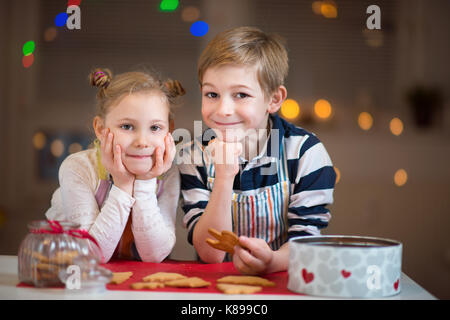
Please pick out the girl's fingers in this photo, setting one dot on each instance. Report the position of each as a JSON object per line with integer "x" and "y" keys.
{"x": 118, "y": 157}
{"x": 159, "y": 161}
{"x": 106, "y": 148}
{"x": 108, "y": 144}
{"x": 103, "y": 141}
{"x": 170, "y": 152}
{"x": 157, "y": 168}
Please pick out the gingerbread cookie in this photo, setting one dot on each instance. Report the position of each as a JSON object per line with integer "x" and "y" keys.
{"x": 226, "y": 240}
{"x": 247, "y": 280}
{"x": 193, "y": 282}
{"x": 146, "y": 285}
{"x": 237, "y": 288}
{"x": 120, "y": 277}
{"x": 163, "y": 277}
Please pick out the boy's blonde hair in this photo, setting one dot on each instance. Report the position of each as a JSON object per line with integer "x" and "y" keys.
{"x": 112, "y": 89}
{"x": 248, "y": 46}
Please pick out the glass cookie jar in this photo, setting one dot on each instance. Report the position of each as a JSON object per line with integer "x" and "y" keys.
{"x": 51, "y": 247}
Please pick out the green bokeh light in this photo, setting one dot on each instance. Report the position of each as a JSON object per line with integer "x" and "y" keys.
{"x": 28, "y": 48}
{"x": 168, "y": 5}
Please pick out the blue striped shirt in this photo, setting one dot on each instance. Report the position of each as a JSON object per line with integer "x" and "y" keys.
{"x": 290, "y": 200}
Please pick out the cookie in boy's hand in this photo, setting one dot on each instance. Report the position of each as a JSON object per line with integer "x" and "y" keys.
{"x": 226, "y": 240}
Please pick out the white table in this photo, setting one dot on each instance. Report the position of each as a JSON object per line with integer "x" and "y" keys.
{"x": 9, "y": 279}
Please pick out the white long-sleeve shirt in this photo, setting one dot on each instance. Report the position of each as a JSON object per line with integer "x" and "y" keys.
{"x": 153, "y": 217}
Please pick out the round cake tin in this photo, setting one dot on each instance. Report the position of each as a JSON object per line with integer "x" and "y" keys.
{"x": 345, "y": 266}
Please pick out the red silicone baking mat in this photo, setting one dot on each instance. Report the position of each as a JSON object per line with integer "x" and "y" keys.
{"x": 208, "y": 272}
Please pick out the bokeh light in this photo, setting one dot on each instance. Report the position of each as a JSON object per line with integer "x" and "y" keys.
{"x": 57, "y": 148}
{"x": 338, "y": 174}
{"x": 73, "y": 3}
{"x": 322, "y": 109}
{"x": 400, "y": 177}
{"x": 365, "y": 121}
{"x": 199, "y": 28}
{"x": 39, "y": 140}
{"x": 168, "y": 5}
{"x": 374, "y": 38}
{"x": 50, "y": 34}
{"x": 28, "y": 60}
{"x": 75, "y": 147}
{"x": 396, "y": 126}
{"x": 190, "y": 14}
{"x": 60, "y": 19}
{"x": 329, "y": 9}
{"x": 28, "y": 48}
{"x": 316, "y": 7}
{"x": 290, "y": 109}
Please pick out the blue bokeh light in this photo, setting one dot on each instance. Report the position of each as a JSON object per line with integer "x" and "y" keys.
{"x": 60, "y": 19}
{"x": 199, "y": 28}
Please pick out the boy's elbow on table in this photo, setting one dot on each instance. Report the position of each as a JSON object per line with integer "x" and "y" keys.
{"x": 211, "y": 257}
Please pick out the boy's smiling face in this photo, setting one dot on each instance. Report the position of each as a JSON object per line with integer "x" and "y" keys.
{"x": 233, "y": 101}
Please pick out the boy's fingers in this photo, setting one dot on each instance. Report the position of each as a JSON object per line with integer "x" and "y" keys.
{"x": 241, "y": 266}
{"x": 257, "y": 247}
{"x": 249, "y": 259}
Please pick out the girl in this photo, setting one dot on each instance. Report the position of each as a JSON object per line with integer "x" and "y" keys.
{"x": 115, "y": 190}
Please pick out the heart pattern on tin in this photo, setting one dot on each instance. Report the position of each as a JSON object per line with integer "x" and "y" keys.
{"x": 396, "y": 284}
{"x": 307, "y": 276}
{"x": 346, "y": 273}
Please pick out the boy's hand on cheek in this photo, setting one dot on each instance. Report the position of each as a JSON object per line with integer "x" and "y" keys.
{"x": 253, "y": 256}
{"x": 226, "y": 158}
{"x": 111, "y": 156}
{"x": 163, "y": 159}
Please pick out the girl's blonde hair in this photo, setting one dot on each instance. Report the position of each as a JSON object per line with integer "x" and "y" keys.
{"x": 248, "y": 46}
{"x": 112, "y": 89}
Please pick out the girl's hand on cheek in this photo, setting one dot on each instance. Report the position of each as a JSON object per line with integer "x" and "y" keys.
{"x": 111, "y": 156}
{"x": 163, "y": 159}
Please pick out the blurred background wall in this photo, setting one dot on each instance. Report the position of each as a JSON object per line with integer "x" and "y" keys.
{"x": 394, "y": 176}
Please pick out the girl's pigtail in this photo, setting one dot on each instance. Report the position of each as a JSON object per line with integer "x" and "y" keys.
{"x": 174, "y": 88}
{"x": 100, "y": 78}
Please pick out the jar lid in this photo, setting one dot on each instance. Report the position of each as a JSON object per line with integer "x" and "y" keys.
{"x": 45, "y": 225}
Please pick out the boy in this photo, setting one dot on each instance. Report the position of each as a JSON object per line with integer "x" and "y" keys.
{"x": 276, "y": 179}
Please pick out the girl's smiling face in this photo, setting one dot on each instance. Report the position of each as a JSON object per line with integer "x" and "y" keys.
{"x": 139, "y": 123}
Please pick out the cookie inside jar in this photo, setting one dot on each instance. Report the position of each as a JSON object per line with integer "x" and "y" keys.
{"x": 49, "y": 248}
